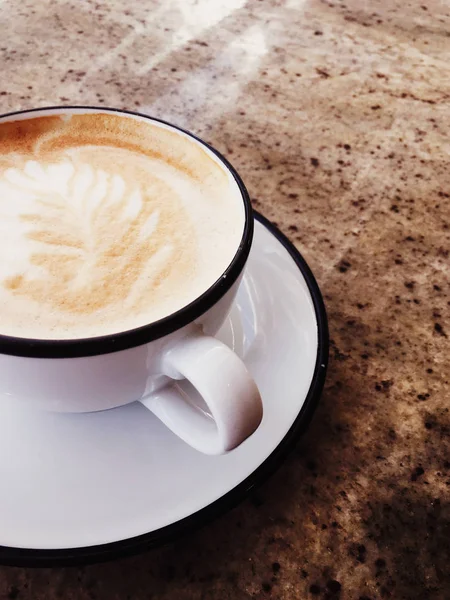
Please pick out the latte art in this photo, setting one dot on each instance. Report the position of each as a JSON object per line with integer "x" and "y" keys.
{"x": 86, "y": 231}
{"x": 101, "y": 238}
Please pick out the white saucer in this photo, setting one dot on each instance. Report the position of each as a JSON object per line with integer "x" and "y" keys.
{"x": 87, "y": 487}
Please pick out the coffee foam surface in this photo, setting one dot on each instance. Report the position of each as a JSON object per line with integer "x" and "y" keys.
{"x": 107, "y": 223}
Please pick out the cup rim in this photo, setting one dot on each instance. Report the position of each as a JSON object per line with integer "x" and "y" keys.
{"x": 115, "y": 342}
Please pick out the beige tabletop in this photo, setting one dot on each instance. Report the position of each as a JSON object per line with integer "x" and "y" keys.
{"x": 337, "y": 115}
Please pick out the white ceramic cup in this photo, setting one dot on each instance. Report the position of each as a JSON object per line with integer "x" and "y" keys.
{"x": 109, "y": 371}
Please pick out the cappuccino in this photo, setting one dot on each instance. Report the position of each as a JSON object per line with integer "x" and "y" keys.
{"x": 108, "y": 222}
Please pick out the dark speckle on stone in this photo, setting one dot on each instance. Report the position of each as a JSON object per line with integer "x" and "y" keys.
{"x": 315, "y": 162}
{"x": 391, "y": 433}
{"x": 380, "y": 563}
{"x": 418, "y": 472}
{"x": 384, "y": 385}
{"x": 314, "y": 589}
{"x": 334, "y": 586}
{"x": 276, "y": 567}
{"x": 322, "y": 72}
{"x": 343, "y": 266}
{"x": 359, "y": 552}
{"x": 266, "y": 586}
{"x": 439, "y": 329}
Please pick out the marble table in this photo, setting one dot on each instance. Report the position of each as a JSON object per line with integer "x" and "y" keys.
{"x": 337, "y": 115}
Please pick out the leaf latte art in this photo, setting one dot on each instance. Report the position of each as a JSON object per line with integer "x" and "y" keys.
{"x": 101, "y": 238}
{"x": 89, "y": 231}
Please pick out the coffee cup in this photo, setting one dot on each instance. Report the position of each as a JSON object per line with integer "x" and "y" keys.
{"x": 124, "y": 242}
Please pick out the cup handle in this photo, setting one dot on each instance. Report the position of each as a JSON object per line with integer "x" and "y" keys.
{"x": 224, "y": 383}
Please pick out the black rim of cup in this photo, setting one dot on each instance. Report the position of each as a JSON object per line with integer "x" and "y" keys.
{"x": 105, "y": 344}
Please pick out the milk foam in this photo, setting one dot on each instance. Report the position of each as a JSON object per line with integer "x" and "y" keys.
{"x": 102, "y": 238}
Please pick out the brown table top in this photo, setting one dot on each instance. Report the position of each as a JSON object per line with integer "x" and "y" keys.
{"x": 337, "y": 116}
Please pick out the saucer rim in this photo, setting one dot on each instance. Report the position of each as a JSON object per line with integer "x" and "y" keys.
{"x": 24, "y": 557}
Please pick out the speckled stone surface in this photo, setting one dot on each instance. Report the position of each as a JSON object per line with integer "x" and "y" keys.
{"x": 337, "y": 115}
